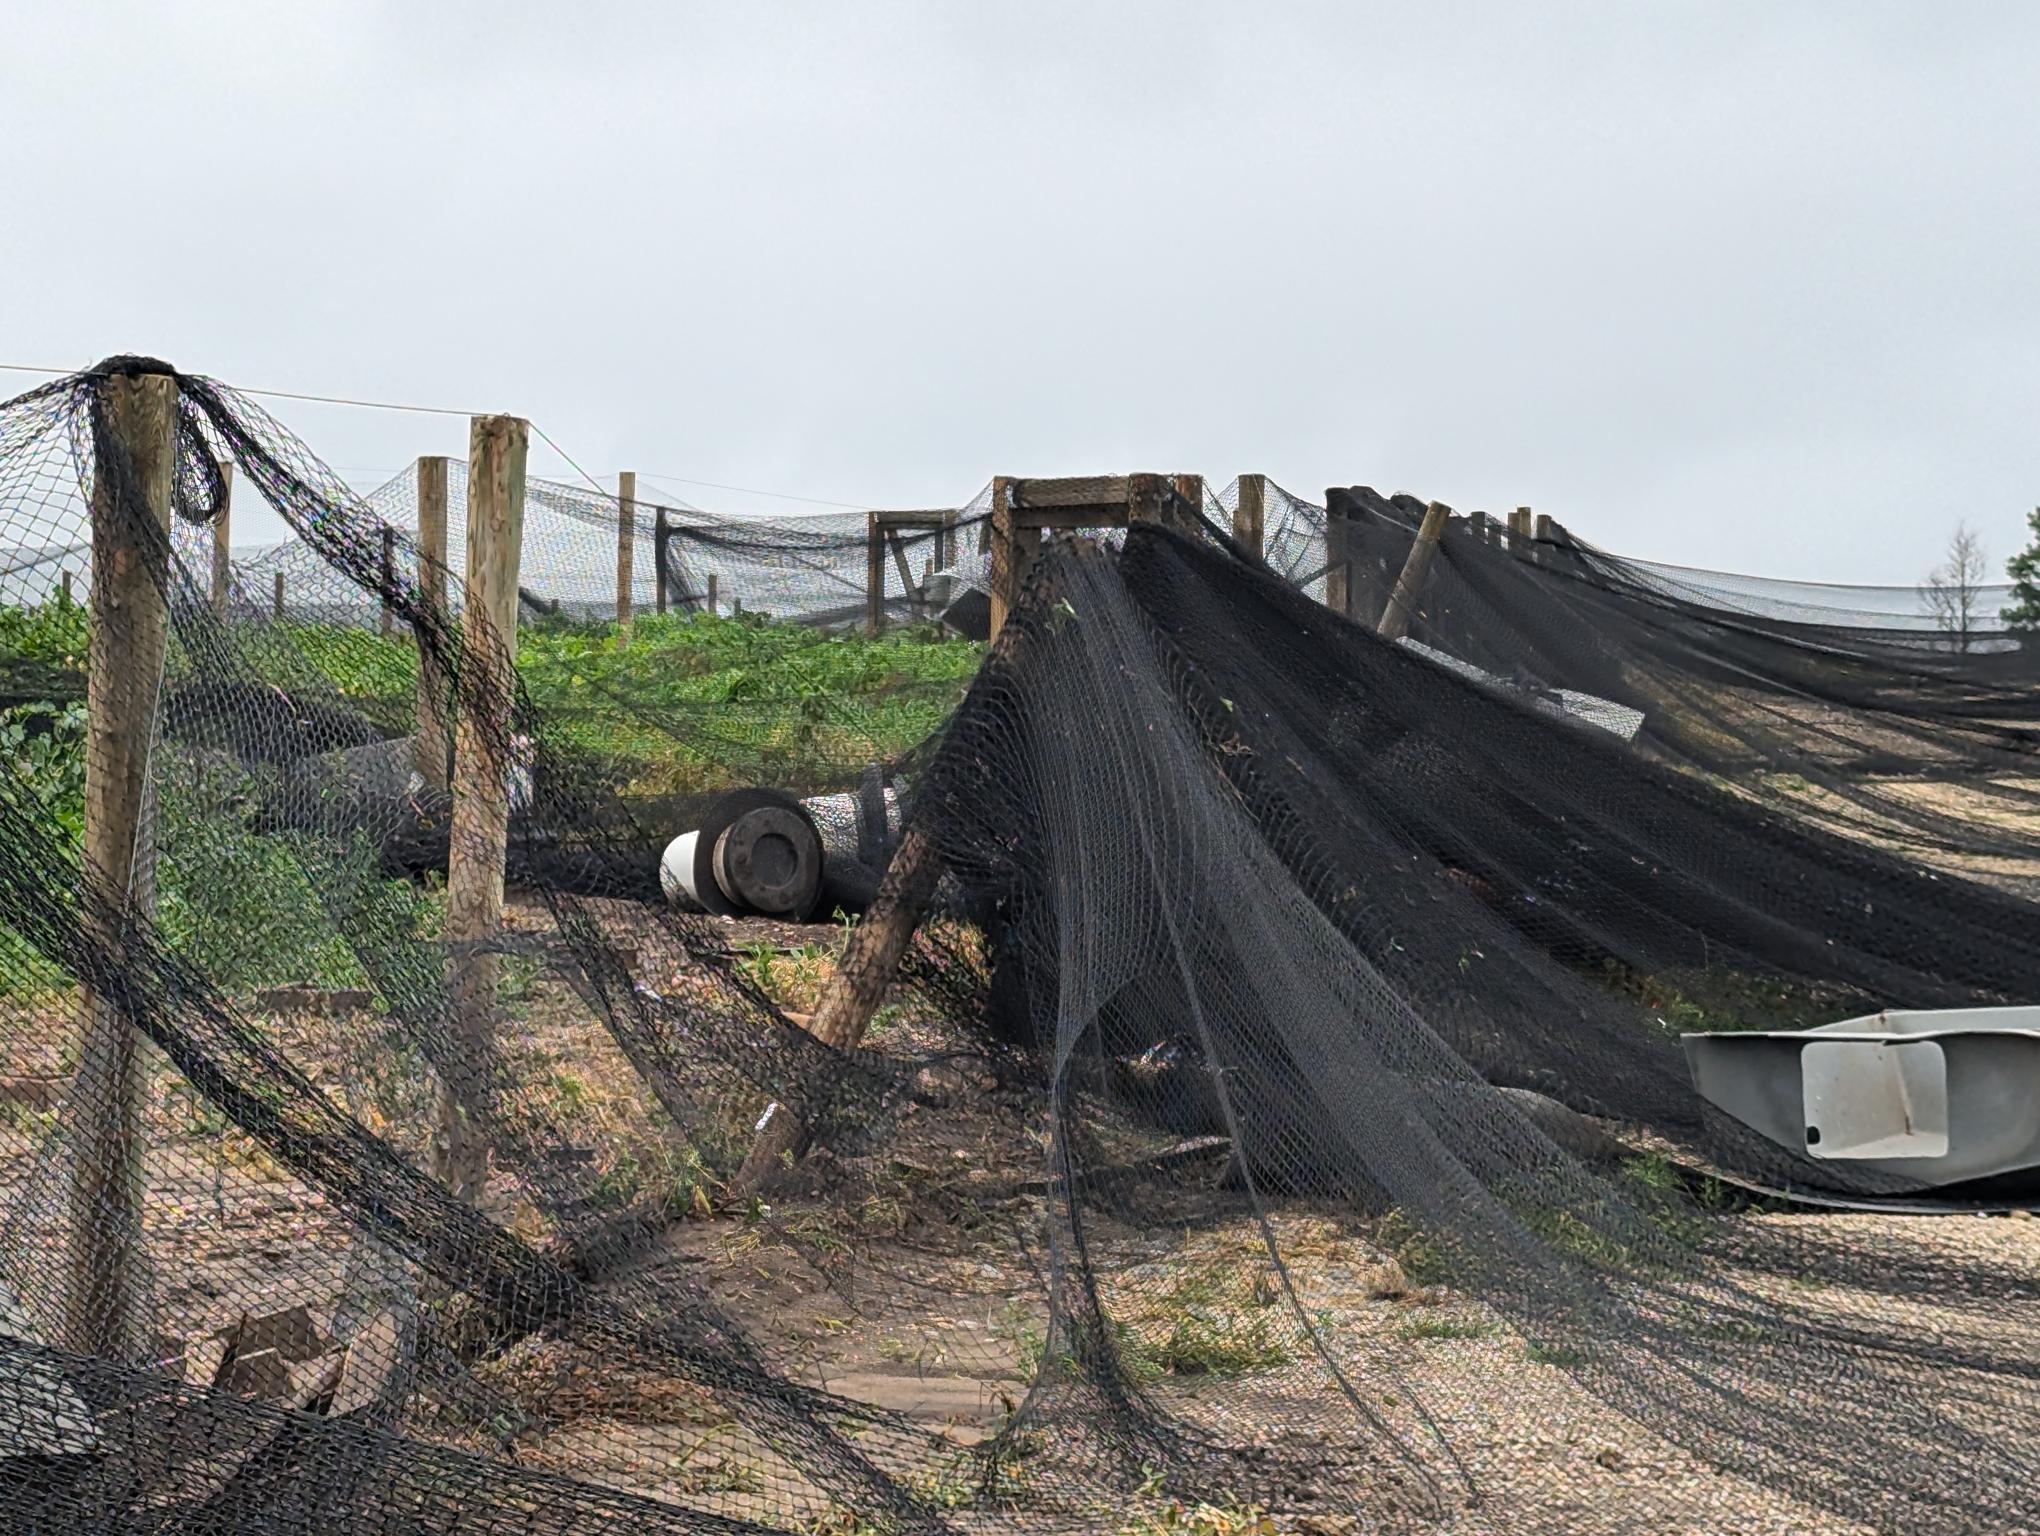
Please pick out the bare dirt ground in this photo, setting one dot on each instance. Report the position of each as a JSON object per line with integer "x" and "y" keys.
{"x": 913, "y": 1278}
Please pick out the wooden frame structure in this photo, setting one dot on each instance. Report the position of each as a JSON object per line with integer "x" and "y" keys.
{"x": 882, "y": 537}
{"x": 1025, "y": 509}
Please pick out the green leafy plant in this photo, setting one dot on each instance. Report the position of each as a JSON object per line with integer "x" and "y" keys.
{"x": 2023, "y": 612}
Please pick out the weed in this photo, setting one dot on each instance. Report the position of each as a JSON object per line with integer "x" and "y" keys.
{"x": 1444, "y": 1327}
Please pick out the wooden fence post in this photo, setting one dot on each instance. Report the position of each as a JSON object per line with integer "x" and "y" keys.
{"x": 222, "y": 549}
{"x": 1519, "y": 533}
{"x": 1009, "y": 549}
{"x": 276, "y": 599}
{"x": 434, "y": 636}
{"x": 1146, "y": 499}
{"x": 482, "y": 763}
{"x": 711, "y": 594}
{"x": 1249, "y": 514}
{"x": 1191, "y": 489}
{"x": 1339, "y": 572}
{"x": 874, "y": 575}
{"x": 129, "y": 627}
{"x": 387, "y": 575}
{"x": 626, "y": 545}
{"x": 659, "y": 536}
{"x": 1402, "y": 603}
{"x": 64, "y": 586}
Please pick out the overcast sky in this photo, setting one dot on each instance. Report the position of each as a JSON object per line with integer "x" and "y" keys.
{"x": 1752, "y": 286}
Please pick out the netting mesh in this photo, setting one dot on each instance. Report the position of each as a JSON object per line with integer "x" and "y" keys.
{"x": 1279, "y": 1108}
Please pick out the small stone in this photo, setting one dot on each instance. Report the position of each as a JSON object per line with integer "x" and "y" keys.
{"x": 1611, "y": 1459}
{"x": 1384, "y": 1281}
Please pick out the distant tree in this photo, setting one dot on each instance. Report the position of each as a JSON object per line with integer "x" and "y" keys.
{"x": 2024, "y": 569}
{"x": 1953, "y": 590}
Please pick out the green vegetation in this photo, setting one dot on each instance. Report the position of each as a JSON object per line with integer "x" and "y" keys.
{"x": 1444, "y": 1326}
{"x": 2023, "y": 613}
{"x": 250, "y": 910}
{"x": 1205, "y": 1323}
{"x": 1692, "y": 1001}
{"x": 694, "y": 703}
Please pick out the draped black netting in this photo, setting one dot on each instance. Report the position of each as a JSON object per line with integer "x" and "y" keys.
{"x": 1279, "y": 1112}
{"x": 1853, "y": 706}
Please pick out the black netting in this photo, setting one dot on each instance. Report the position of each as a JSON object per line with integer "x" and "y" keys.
{"x": 1280, "y": 1108}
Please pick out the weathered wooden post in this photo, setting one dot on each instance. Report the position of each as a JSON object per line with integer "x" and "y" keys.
{"x": 1540, "y": 548}
{"x": 497, "y": 447}
{"x": 1519, "y": 533}
{"x": 1402, "y": 603}
{"x": 386, "y": 577}
{"x": 711, "y": 594}
{"x": 1191, "y": 489}
{"x": 222, "y": 547}
{"x": 626, "y": 545}
{"x": 64, "y": 586}
{"x": 276, "y": 600}
{"x": 1147, "y": 499}
{"x": 1249, "y": 514}
{"x": 659, "y": 536}
{"x": 129, "y": 619}
{"x": 1010, "y": 547}
{"x": 435, "y": 631}
{"x": 874, "y": 574}
{"x": 1339, "y": 581}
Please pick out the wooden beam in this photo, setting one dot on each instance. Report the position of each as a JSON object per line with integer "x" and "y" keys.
{"x": 386, "y": 573}
{"x": 874, "y": 574}
{"x": 1071, "y": 491}
{"x": 223, "y": 548}
{"x": 898, "y": 546}
{"x": 1071, "y": 519}
{"x": 932, "y": 518}
{"x": 497, "y": 447}
{"x": 1402, "y": 603}
{"x": 433, "y": 633}
{"x": 626, "y": 547}
{"x": 131, "y": 499}
{"x": 1250, "y": 513}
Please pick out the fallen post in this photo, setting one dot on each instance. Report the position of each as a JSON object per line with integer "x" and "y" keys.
{"x": 870, "y": 960}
